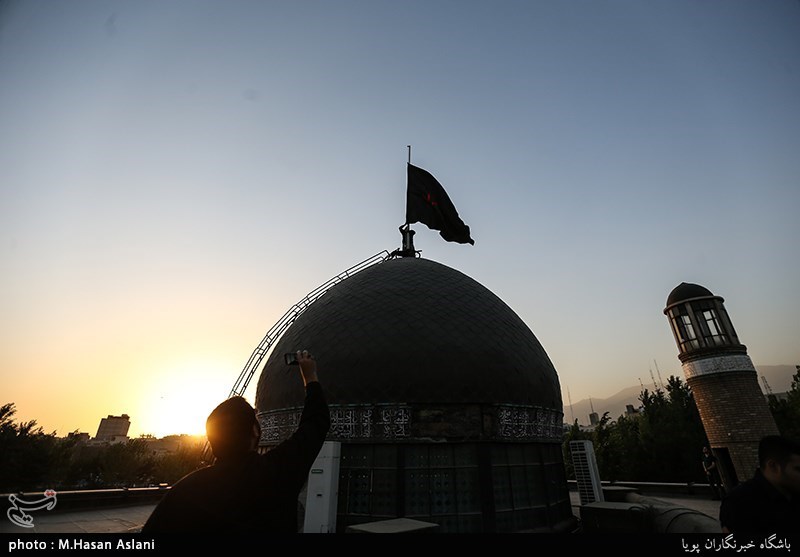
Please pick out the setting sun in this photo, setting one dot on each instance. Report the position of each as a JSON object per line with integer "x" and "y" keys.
{"x": 182, "y": 400}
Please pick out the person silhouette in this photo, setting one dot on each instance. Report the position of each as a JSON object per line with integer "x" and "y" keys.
{"x": 769, "y": 503}
{"x": 244, "y": 491}
{"x": 712, "y": 473}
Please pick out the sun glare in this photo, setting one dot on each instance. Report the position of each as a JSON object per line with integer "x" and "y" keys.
{"x": 182, "y": 397}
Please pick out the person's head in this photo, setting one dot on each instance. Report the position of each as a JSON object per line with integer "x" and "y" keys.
{"x": 779, "y": 461}
{"x": 706, "y": 451}
{"x": 232, "y": 428}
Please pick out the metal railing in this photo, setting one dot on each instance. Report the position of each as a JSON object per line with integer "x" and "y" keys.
{"x": 290, "y": 316}
{"x": 275, "y": 332}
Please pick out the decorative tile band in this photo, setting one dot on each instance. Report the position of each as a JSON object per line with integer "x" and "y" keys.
{"x": 718, "y": 364}
{"x": 386, "y": 422}
{"x": 529, "y": 423}
{"x": 277, "y": 425}
{"x": 347, "y": 422}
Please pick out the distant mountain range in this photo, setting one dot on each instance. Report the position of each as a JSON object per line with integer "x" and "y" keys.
{"x": 778, "y": 377}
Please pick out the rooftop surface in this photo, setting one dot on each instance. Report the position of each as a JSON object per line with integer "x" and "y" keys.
{"x": 130, "y": 519}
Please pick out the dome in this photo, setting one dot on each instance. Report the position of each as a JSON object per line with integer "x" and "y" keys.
{"x": 686, "y": 291}
{"x": 434, "y": 387}
{"x": 412, "y": 331}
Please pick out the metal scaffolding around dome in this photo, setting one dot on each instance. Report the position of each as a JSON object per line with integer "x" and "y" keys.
{"x": 274, "y": 332}
{"x": 288, "y": 318}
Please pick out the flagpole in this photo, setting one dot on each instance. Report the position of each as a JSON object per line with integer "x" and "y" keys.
{"x": 407, "y": 249}
{"x": 408, "y": 226}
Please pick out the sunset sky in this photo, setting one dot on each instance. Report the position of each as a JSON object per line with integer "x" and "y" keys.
{"x": 175, "y": 175}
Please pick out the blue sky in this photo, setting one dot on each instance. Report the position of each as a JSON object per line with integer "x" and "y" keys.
{"x": 175, "y": 175}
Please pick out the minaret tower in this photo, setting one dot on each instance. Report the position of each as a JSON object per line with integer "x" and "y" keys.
{"x": 722, "y": 377}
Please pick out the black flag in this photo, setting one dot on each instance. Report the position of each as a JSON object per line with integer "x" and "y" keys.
{"x": 428, "y": 203}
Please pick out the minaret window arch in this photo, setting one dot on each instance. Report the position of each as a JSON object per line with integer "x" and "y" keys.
{"x": 684, "y": 328}
{"x": 712, "y": 327}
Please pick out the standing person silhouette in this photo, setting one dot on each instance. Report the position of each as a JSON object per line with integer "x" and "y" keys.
{"x": 712, "y": 473}
{"x": 244, "y": 491}
{"x": 769, "y": 503}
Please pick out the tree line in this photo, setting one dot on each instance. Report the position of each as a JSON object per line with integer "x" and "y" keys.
{"x": 786, "y": 411}
{"x": 32, "y": 460}
{"x": 663, "y": 442}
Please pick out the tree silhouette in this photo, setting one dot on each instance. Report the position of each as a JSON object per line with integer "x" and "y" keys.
{"x": 663, "y": 442}
{"x": 786, "y": 412}
{"x": 27, "y": 454}
{"x": 31, "y": 460}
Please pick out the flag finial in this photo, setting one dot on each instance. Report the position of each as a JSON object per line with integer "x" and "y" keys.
{"x": 407, "y": 248}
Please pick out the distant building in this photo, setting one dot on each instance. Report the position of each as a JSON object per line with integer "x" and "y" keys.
{"x": 171, "y": 443}
{"x": 113, "y": 429}
{"x": 594, "y": 419}
{"x": 79, "y": 437}
{"x": 630, "y": 410}
{"x": 734, "y": 411}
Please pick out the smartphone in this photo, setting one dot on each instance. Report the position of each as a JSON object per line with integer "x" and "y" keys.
{"x": 290, "y": 359}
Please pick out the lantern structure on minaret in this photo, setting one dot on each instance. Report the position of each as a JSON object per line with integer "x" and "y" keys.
{"x": 733, "y": 410}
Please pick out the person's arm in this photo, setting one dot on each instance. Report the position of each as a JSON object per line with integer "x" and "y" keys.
{"x": 308, "y": 367}
{"x": 315, "y": 420}
{"x": 299, "y": 451}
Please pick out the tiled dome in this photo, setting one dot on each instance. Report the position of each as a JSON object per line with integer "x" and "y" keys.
{"x": 410, "y": 330}
{"x": 686, "y": 291}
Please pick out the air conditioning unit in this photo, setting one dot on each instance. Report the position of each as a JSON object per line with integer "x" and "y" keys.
{"x": 322, "y": 492}
{"x": 586, "y": 473}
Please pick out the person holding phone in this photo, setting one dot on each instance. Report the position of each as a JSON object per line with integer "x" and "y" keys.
{"x": 244, "y": 491}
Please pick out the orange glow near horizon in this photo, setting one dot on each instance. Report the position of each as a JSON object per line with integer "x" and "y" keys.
{"x": 181, "y": 399}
